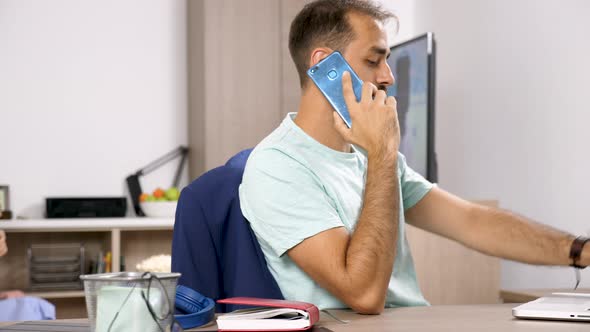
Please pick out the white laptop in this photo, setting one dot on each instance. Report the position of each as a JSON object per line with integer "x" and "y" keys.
{"x": 557, "y": 306}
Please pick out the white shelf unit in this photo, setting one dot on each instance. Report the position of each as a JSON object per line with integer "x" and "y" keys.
{"x": 58, "y": 294}
{"x": 112, "y": 225}
{"x": 141, "y": 238}
{"x": 85, "y": 224}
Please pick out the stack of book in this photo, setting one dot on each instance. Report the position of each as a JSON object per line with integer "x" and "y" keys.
{"x": 103, "y": 263}
{"x": 268, "y": 315}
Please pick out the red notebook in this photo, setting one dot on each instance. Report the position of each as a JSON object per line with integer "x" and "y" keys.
{"x": 268, "y": 314}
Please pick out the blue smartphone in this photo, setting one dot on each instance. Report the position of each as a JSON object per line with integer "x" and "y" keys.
{"x": 327, "y": 76}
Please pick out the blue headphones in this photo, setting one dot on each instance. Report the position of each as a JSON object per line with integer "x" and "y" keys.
{"x": 195, "y": 309}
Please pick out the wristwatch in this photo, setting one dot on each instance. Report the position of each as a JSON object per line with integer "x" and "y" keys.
{"x": 576, "y": 251}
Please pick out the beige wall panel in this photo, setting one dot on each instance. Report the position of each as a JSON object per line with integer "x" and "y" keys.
{"x": 196, "y": 87}
{"x": 242, "y": 80}
{"x": 450, "y": 273}
{"x": 242, "y": 94}
{"x": 291, "y": 92}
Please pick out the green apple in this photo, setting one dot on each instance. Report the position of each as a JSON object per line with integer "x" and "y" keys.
{"x": 172, "y": 194}
{"x": 150, "y": 198}
{"x": 161, "y": 199}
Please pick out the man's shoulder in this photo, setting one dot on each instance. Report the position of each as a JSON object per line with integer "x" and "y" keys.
{"x": 274, "y": 159}
{"x": 279, "y": 149}
{"x": 278, "y": 161}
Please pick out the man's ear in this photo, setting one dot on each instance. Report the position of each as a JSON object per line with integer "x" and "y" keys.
{"x": 317, "y": 55}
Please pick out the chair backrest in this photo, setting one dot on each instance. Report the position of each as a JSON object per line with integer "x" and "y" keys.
{"x": 213, "y": 245}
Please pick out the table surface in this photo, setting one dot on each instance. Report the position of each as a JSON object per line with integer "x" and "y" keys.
{"x": 494, "y": 317}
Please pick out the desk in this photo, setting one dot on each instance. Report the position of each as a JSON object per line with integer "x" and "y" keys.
{"x": 489, "y": 317}
{"x": 486, "y": 318}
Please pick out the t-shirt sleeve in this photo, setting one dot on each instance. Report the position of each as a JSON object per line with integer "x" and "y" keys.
{"x": 284, "y": 201}
{"x": 414, "y": 186}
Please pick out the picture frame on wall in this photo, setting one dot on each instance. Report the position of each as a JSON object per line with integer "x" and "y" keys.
{"x": 4, "y": 198}
{"x": 5, "y": 202}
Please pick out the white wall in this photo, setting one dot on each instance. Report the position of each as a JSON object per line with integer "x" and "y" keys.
{"x": 512, "y": 114}
{"x": 405, "y": 11}
{"x": 90, "y": 91}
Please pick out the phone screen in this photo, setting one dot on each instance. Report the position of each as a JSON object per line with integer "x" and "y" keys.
{"x": 327, "y": 76}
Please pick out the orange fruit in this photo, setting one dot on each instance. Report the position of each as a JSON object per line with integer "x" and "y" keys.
{"x": 143, "y": 197}
{"x": 159, "y": 192}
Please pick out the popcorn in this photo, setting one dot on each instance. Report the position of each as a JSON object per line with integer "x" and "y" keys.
{"x": 157, "y": 263}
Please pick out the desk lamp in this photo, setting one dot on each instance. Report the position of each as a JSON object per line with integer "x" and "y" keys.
{"x": 133, "y": 180}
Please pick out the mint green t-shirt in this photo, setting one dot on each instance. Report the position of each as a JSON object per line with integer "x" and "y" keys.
{"x": 294, "y": 188}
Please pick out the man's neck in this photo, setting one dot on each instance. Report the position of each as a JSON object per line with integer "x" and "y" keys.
{"x": 315, "y": 119}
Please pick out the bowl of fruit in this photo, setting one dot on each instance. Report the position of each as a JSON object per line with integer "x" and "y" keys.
{"x": 160, "y": 203}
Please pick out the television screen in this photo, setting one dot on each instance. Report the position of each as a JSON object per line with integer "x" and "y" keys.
{"x": 412, "y": 64}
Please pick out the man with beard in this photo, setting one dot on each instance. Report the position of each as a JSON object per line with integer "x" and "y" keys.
{"x": 328, "y": 203}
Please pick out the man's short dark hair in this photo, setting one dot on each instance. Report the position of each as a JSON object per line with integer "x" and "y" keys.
{"x": 325, "y": 23}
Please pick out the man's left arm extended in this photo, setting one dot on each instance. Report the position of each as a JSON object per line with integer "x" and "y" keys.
{"x": 493, "y": 231}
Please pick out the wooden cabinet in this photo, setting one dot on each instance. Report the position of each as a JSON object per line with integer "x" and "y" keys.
{"x": 241, "y": 79}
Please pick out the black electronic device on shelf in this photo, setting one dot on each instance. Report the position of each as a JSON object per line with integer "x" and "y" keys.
{"x": 85, "y": 207}
{"x": 133, "y": 180}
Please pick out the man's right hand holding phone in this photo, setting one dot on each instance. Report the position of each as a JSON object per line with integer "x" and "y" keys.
{"x": 375, "y": 129}
{"x": 375, "y": 126}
